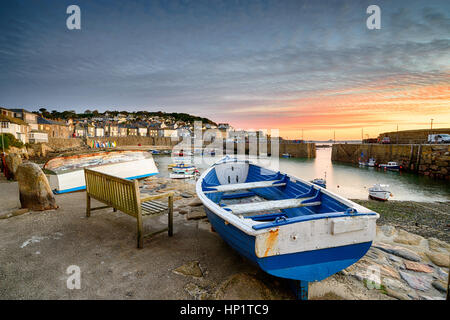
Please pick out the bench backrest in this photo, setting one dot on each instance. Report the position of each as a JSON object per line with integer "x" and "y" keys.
{"x": 118, "y": 193}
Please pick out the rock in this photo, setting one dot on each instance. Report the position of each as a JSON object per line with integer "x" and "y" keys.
{"x": 440, "y": 259}
{"x": 407, "y": 238}
{"x": 242, "y": 286}
{"x": 34, "y": 189}
{"x": 394, "y": 258}
{"x": 388, "y": 230}
{"x": 437, "y": 245}
{"x": 184, "y": 210}
{"x": 13, "y": 161}
{"x": 191, "y": 268}
{"x": 195, "y": 291}
{"x": 196, "y": 214}
{"x": 440, "y": 285}
{"x": 424, "y": 297}
{"x": 418, "y": 267}
{"x": 393, "y": 284}
{"x": 397, "y": 295}
{"x": 417, "y": 282}
{"x": 398, "y": 251}
{"x": 195, "y": 202}
{"x": 389, "y": 272}
{"x": 441, "y": 274}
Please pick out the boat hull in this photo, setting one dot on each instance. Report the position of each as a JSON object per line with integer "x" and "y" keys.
{"x": 312, "y": 265}
{"x": 73, "y": 180}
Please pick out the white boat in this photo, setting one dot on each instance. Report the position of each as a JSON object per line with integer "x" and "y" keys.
{"x": 379, "y": 192}
{"x": 289, "y": 227}
{"x": 370, "y": 163}
{"x": 66, "y": 174}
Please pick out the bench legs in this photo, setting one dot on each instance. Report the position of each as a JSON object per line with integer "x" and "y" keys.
{"x": 88, "y": 205}
{"x": 170, "y": 216}
{"x": 140, "y": 232}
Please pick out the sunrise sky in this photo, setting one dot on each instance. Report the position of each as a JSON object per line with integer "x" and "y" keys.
{"x": 289, "y": 65}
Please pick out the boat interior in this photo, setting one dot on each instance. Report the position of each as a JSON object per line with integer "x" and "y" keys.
{"x": 261, "y": 195}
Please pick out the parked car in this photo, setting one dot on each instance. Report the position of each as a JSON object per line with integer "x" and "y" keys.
{"x": 439, "y": 138}
{"x": 386, "y": 140}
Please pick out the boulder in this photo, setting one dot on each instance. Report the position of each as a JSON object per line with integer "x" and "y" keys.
{"x": 34, "y": 189}
{"x": 13, "y": 161}
{"x": 438, "y": 245}
{"x": 440, "y": 259}
{"x": 407, "y": 238}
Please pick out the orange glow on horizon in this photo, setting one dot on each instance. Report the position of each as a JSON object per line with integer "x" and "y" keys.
{"x": 377, "y": 108}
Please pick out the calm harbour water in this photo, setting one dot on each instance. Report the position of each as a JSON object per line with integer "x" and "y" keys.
{"x": 352, "y": 181}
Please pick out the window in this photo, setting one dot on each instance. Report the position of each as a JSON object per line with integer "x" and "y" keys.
{"x": 5, "y": 125}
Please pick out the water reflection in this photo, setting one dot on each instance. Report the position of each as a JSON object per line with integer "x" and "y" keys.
{"x": 352, "y": 181}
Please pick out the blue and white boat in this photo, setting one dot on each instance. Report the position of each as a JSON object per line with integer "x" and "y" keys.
{"x": 391, "y": 165}
{"x": 289, "y": 227}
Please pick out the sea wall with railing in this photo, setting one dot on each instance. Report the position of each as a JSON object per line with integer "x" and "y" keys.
{"x": 427, "y": 159}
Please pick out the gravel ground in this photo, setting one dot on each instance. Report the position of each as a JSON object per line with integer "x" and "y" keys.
{"x": 426, "y": 219}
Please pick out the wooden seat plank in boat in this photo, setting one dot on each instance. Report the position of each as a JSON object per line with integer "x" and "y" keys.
{"x": 243, "y": 208}
{"x": 245, "y": 186}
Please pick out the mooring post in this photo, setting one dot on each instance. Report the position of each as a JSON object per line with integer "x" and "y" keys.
{"x": 300, "y": 289}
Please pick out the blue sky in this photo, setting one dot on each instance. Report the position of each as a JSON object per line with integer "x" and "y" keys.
{"x": 226, "y": 60}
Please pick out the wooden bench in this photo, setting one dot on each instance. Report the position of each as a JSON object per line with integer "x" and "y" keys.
{"x": 124, "y": 195}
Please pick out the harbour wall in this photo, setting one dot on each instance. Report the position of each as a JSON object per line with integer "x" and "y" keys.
{"x": 432, "y": 160}
{"x": 297, "y": 150}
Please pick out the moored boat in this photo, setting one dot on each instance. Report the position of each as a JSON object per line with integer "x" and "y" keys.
{"x": 287, "y": 226}
{"x": 66, "y": 174}
{"x": 370, "y": 163}
{"x": 391, "y": 165}
{"x": 379, "y": 192}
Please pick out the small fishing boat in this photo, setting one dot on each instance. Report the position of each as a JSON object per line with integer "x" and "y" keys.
{"x": 379, "y": 192}
{"x": 155, "y": 151}
{"x": 285, "y": 155}
{"x": 66, "y": 174}
{"x": 287, "y": 226}
{"x": 184, "y": 173}
{"x": 320, "y": 182}
{"x": 392, "y": 165}
{"x": 370, "y": 163}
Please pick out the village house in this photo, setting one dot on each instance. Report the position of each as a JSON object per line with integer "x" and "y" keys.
{"x": 29, "y": 117}
{"x": 54, "y": 129}
{"x": 123, "y": 130}
{"x": 111, "y": 130}
{"x": 170, "y": 132}
{"x": 79, "y": 131}
{"x": 36, "y": 136}
{"x": 154, "y": 130}
{"x": 15, "y": 126}
{"x": 141, "y": 129}
{"x": 99, "y": 131}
